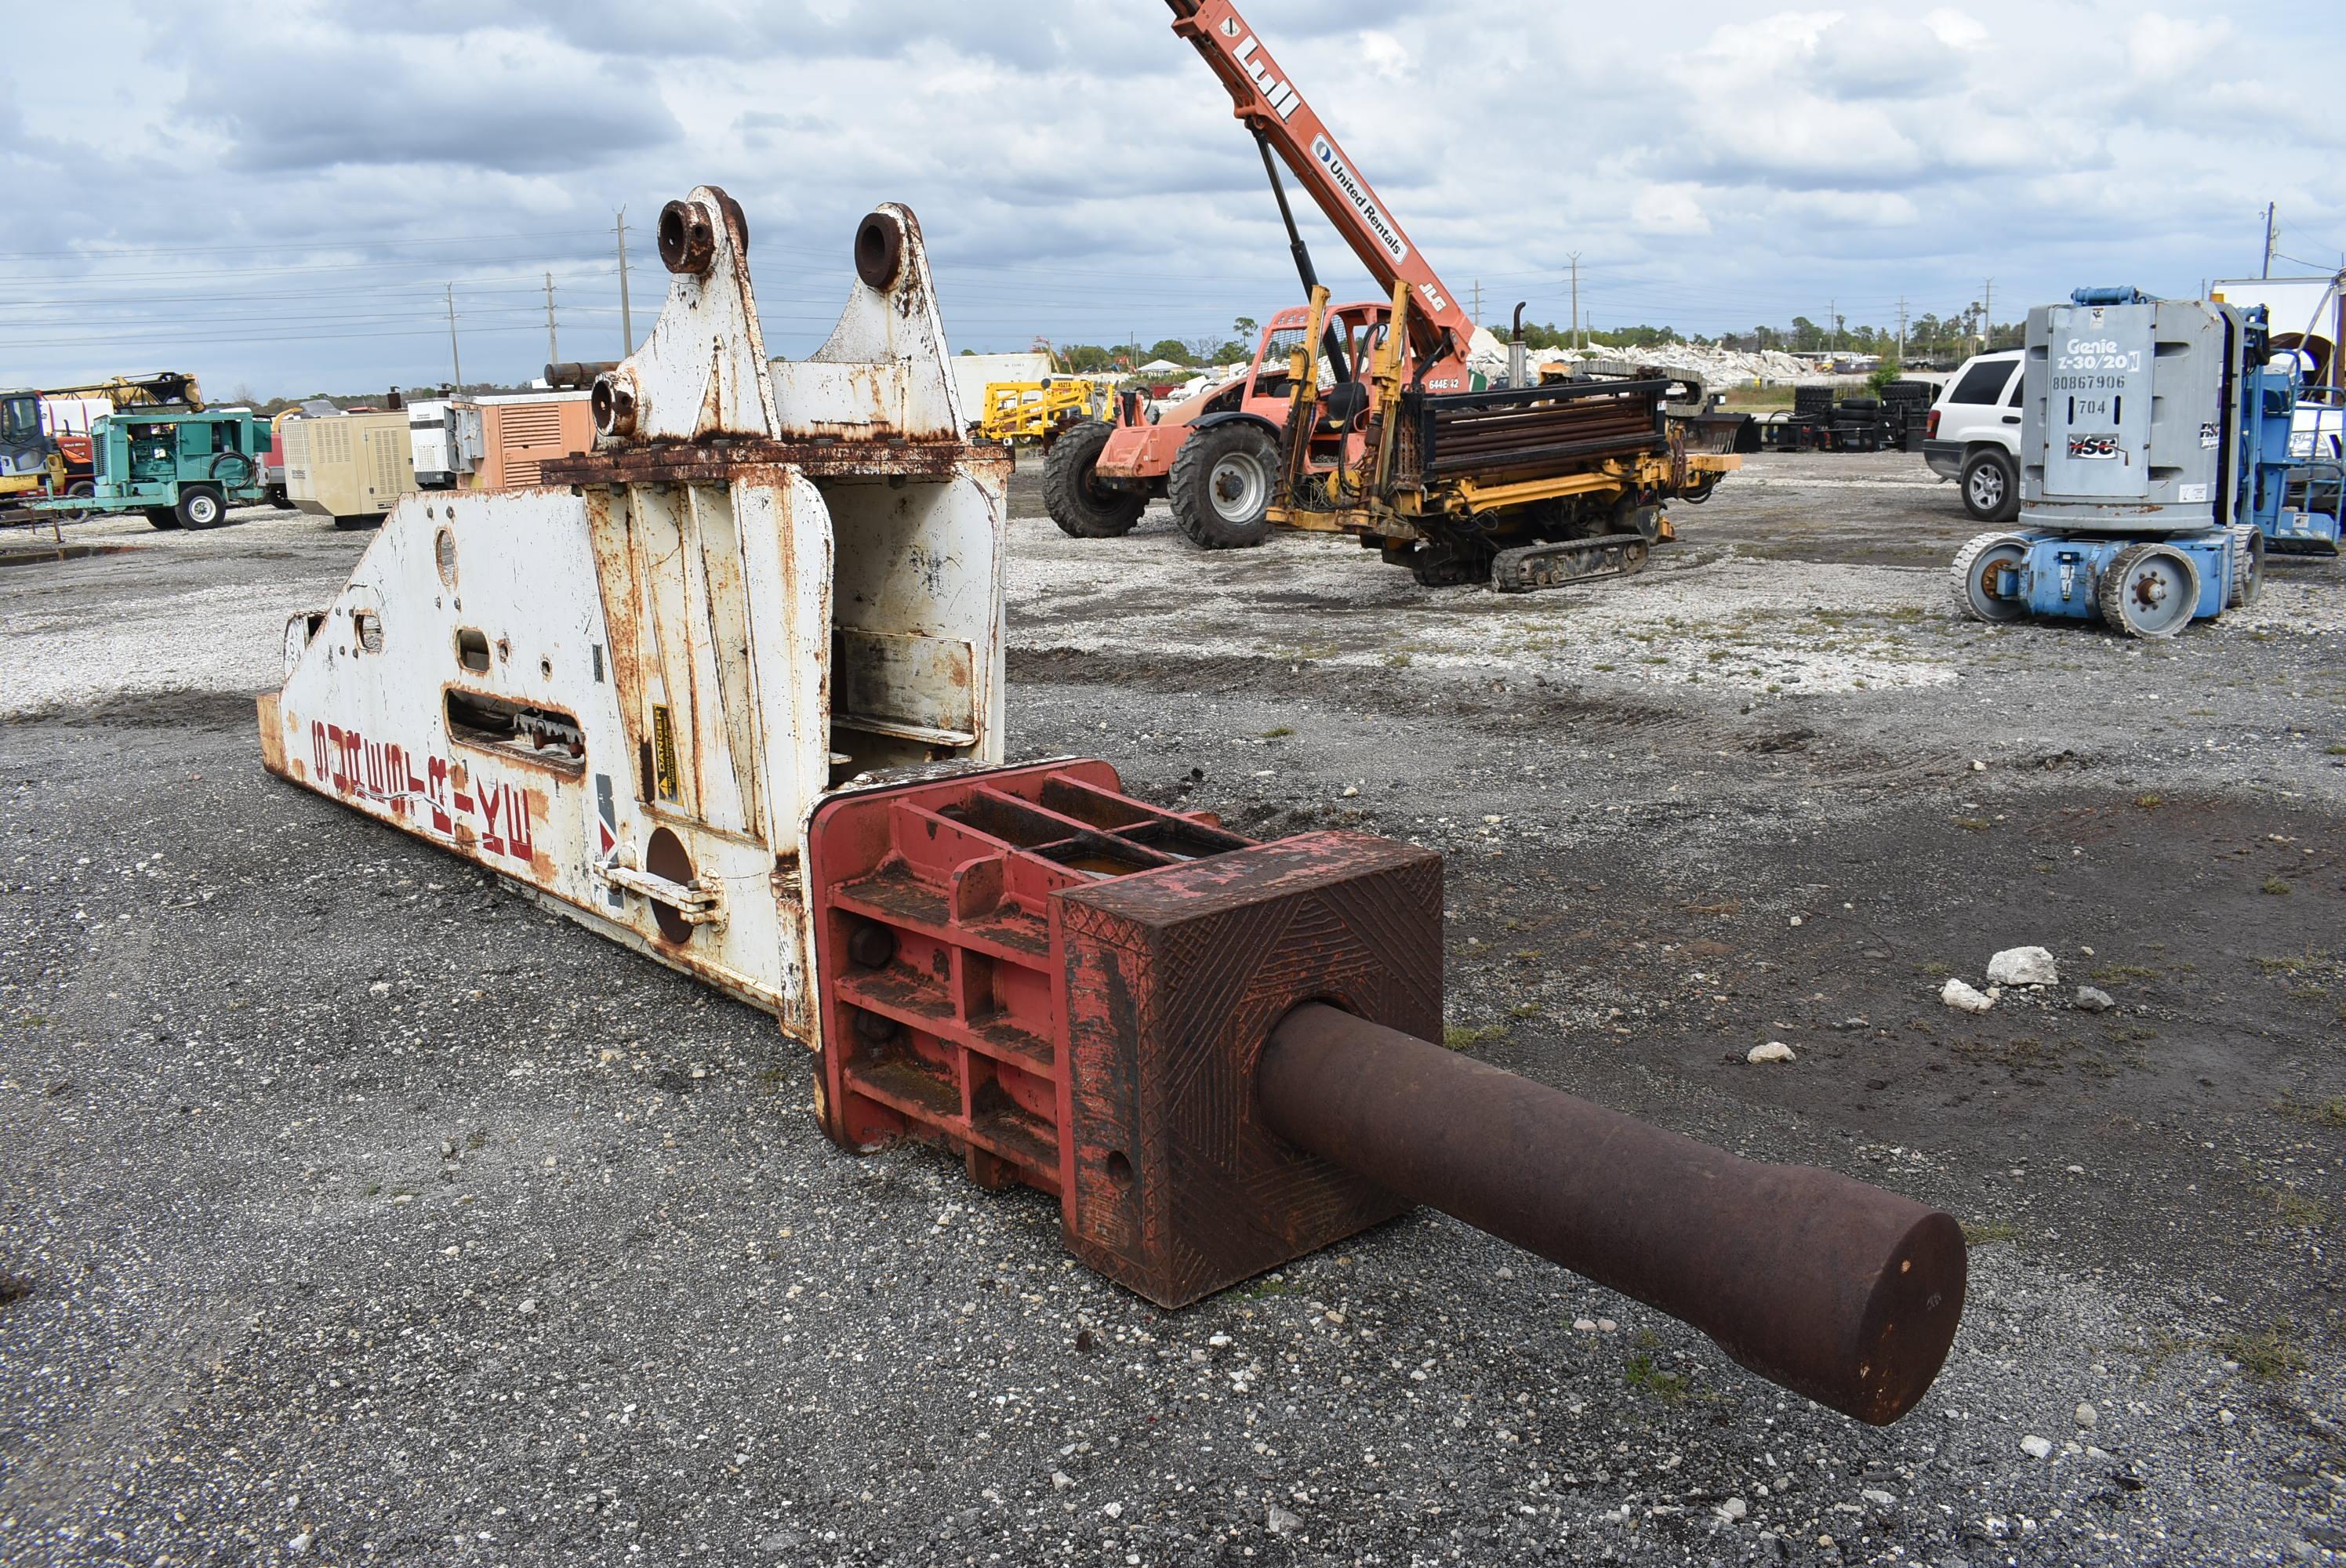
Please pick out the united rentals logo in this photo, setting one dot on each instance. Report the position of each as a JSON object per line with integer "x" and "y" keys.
{"x": 1387, "y": 235}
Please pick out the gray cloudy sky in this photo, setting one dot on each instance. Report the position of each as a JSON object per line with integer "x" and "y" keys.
{"x": 276, "y": 195}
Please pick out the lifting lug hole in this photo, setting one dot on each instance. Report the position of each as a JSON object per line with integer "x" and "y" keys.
{"x": 688, "y": 242}
{"x": 879, "y": 248}
{"x": 1119, "y": 1168}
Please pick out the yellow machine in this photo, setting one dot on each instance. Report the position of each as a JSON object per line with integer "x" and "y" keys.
{"x": 1035, "y": 411}
{"x": 1536, "y": 486}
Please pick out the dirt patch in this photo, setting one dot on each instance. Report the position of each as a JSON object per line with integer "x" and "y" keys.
{"x": 148, "y": 710}
{"x": 34, "y": 555}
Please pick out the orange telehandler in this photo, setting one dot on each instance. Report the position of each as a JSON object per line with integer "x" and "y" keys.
{"x": 1525, "y": 486}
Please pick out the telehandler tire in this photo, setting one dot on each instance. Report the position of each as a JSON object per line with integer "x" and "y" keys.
{"x": 1220, "y": 487}
{"x": 1083, "y": 508}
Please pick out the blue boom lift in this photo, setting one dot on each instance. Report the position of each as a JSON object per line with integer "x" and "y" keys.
{"x": 2155, "y": 468}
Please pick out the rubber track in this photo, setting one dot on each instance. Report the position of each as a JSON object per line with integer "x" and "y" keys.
{"x": 1570, "y": 561}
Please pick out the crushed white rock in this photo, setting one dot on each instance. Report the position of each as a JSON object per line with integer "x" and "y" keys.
{"x": 2024, "y": 966}
{"x": 1957, "y": 994}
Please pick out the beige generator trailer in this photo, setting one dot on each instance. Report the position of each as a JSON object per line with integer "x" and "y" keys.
{"x": 351, "y": 467}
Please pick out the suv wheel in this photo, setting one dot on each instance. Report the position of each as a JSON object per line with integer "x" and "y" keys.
{"x": 1990, "y": 489}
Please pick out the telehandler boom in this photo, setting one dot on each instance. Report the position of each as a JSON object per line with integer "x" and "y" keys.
{"x": 1284, "y": 124}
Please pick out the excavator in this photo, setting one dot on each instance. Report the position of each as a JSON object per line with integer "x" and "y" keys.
{"x": 1526, "y": 486}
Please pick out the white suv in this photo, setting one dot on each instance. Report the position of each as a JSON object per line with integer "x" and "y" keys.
{"x": 1973, "y": 435}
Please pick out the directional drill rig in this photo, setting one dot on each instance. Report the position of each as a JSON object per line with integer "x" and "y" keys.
{"x": 1522, "y": 487}
{"x": 729, "y": 690}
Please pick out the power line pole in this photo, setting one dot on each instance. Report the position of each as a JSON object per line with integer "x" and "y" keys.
{"x": 455, "y": 359}
{"x": 2269, "y": 237}
{"x": 553, "y": 350}
{"x": 1577, "y": 341}
{"x": 1902, "y": 329}
{"x": 626, "y": 317}
{"x": 1988, "y": 314}
{"x": 1478, "y": 302}
{"x": 1832, "y": 314}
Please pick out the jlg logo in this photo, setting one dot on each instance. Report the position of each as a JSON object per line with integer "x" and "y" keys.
{"x": 1281, "y": 96}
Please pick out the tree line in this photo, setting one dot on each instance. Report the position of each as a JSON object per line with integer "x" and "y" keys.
{"x": 1948, "y": 339}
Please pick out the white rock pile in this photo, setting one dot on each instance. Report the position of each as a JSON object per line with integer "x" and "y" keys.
{"x": 1715, "y": 368}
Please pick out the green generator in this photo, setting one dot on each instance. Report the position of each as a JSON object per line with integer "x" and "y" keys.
{"x": 181, "y": 467}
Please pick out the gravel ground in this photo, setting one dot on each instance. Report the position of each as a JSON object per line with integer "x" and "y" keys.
{"x": 365, "y": 1212}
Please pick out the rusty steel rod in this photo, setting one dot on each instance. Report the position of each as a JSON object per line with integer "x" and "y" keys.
{"x": 1836, "y": 1289}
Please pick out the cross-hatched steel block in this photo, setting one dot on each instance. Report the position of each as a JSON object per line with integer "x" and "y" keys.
{"x": 1174, "y": 980}
{"x": 1069, "y": 988}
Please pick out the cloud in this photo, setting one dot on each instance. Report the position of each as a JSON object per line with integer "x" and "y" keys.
{"x": 488, "y": 99}
{"x": 292, "y": 219}
{"x": 1956, "y": 29}
{"x": 1670, "y": 209}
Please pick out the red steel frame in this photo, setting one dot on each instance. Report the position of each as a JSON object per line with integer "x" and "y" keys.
{"x": 1071, "y": 989}
{"x": 956, "y": 1037}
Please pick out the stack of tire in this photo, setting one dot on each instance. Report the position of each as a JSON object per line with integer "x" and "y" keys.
{"x": 1905, "y": 408}
{"x": 1811, "y": 427}
{"x": 1857, "y": 424}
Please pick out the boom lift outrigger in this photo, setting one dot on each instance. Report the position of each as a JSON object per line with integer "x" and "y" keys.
{"x": 1526, "y": 487}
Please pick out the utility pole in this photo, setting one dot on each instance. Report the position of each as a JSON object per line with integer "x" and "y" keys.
{"x": 455, "y": 359}
{"x": 1902, "y": 329}
{"x": 1478, "y": 302}
{"x": 1988, "y": 315}
{"x": 2268, "y": 239}
{"x": 553, "y": 350}
{"x": 1832, "y": 315}
{"x": 1577, "y": 341}
{"x": 626, "y": 317}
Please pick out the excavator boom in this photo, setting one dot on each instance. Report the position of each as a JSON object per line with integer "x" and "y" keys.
{"x": 1278, "y": 113}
